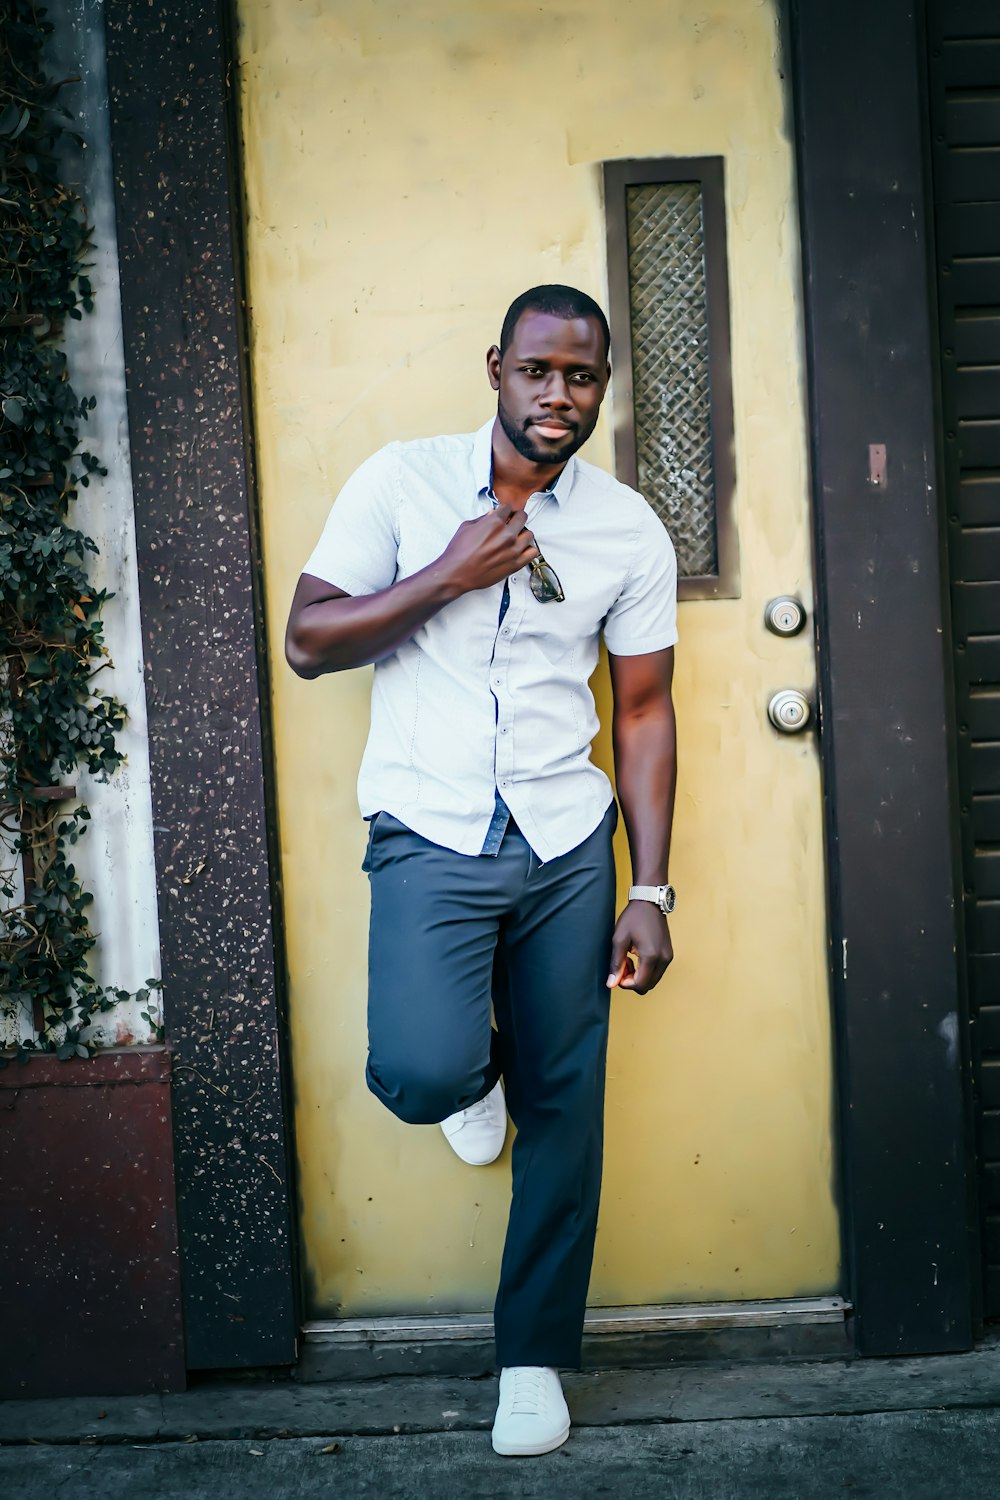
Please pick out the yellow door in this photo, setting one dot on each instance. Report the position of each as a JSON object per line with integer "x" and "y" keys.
{"x": 409, "y": 169}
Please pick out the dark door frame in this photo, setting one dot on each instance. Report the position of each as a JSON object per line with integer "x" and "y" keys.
{"x": 906, "y": 1143}
{"x": 964, "y": 272}
{"x": 905, "y": 1148}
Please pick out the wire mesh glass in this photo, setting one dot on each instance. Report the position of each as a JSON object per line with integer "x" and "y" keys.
{"x": 670, "y": 366}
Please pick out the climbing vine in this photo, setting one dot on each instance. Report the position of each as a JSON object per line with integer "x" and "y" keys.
{"x": 54, "y": 717}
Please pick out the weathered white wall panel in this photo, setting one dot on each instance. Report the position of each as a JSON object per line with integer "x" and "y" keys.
{"x": 116, "y": 856}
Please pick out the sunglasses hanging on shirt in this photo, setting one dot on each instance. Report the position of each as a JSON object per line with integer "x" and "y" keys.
{"x": 544, "y": 582}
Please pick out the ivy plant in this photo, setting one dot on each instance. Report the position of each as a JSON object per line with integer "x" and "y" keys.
{"x": 54, "y": 716}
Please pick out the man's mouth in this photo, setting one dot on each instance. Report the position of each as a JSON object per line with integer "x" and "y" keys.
{"x": 552, "y": 430}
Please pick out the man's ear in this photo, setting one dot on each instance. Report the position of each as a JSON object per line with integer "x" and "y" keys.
{"x": 493, "y": 366}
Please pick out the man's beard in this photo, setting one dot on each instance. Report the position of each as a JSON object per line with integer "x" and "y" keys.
{"x": 537, "y": 453}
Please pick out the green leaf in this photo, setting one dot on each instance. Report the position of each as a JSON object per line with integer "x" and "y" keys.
{"x": 58, "y": 723}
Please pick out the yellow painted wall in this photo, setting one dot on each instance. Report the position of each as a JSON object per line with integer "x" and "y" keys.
{"x": 410, "y": 169}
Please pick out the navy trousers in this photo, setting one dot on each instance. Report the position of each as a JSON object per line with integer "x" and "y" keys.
{"x": 451, "y": 933}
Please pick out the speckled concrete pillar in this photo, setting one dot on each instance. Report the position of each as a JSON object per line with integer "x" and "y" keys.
{"x": 178, "y": 232}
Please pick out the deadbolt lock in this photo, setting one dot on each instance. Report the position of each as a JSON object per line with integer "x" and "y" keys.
{"x": 789, "y": 711}
{"x": 784, "y": 616}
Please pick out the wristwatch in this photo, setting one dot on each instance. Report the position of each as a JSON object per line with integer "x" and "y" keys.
{"x": 663, "y": 896}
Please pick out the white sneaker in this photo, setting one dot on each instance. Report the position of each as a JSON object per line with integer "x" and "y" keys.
{"x": 477, "y": 1134}
{"x": 532, "y": 1416}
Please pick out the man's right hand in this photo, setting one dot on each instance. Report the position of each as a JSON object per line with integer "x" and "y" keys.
{"x": 487, "y": 549}
{"x": 329, "y": 631}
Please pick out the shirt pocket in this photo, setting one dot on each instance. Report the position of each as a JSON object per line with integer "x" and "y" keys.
{"x": 560, "y": 630}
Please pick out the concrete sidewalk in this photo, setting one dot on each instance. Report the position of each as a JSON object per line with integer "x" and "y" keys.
{"x": 916, "y": 1429}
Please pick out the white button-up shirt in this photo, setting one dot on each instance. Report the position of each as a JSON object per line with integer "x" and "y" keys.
{"x": 472, "y": 705}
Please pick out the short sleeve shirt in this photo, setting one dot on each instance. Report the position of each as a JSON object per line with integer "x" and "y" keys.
{"x": 474, "y": 704}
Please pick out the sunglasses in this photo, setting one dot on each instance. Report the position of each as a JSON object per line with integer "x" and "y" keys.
{"x": 543, "y": 582}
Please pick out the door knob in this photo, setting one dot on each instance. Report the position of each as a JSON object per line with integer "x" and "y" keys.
{"x": 789, "y": 711}
{"x": 784, "y": 616}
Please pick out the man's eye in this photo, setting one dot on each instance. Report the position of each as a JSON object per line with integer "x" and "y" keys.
{"x": 582, "y": 378}
{"x": 531, "y": 369}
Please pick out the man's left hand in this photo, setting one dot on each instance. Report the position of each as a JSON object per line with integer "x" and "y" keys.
{"x": 641, "y": 929}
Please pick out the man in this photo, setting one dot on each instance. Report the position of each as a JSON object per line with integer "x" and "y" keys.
{"x": 478, "y": 572}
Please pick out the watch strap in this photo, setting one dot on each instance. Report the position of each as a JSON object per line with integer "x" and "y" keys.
{"x": 644, "y": 893}
{"x": 663, "y": 896}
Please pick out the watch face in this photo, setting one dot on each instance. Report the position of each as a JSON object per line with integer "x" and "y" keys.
{"x": 668, "y": 899}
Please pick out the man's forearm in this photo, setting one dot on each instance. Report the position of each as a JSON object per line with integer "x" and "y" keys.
{"x": 330, "y": 631}
{"x": 645, "y": 748}
{"x": 341, "y": 631}
{"x": 646, "y": 771}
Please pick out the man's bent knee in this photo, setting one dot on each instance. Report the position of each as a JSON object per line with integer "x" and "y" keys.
{"x": 423, "y": 1096}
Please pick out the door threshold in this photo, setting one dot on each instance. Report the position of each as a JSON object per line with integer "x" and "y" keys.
{"x": 667, "y": 1317}
{"x": 462, "y": 1343}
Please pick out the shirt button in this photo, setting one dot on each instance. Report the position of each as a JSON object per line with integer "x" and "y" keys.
{"x": 505, "y": 631}
{"x": 503, "y": 783}
{"x": 503, "y": 731}
{"x": 497, "y": 681}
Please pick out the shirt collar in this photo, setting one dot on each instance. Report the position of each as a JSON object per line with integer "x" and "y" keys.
{"x": 482, "y": 467}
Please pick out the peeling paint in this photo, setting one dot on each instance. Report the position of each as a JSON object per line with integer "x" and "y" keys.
{"x": 114, "y": 858}
{"x": 947, "y": 1030}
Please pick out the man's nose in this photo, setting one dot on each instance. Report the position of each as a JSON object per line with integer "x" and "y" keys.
{"x": 556, "y": 392}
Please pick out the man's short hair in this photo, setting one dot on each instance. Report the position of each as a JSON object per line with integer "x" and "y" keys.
{"x": 560, "y": 302}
